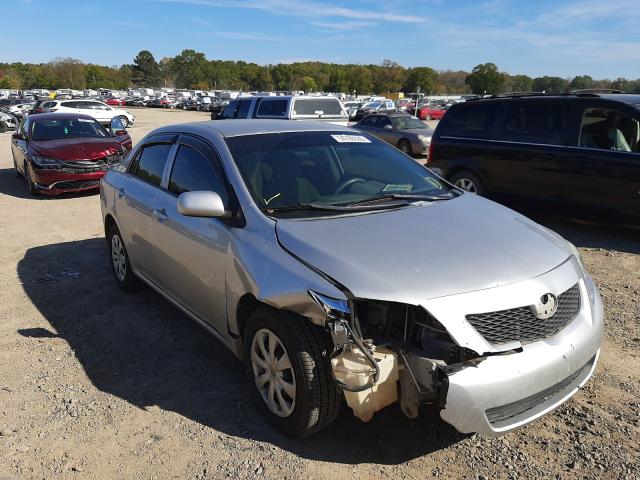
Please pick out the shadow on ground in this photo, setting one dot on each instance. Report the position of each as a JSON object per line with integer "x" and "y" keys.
{"x": 143, "y": 350}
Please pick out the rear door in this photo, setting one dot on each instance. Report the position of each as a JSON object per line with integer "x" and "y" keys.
{"x": 603, "y": 171}
{"x": 193, "y": 252}
{"x": 530, "y": 146}
{"x": 136, "y": 201}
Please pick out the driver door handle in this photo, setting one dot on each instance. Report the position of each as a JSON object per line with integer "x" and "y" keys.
{"x": 121, "y": 191}
{"x": 160, "y": 215}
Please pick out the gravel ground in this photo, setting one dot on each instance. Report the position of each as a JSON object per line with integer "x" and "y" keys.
{"x": 98, "y": 384}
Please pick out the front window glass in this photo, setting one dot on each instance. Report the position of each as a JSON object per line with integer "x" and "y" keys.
{"x": 150, "y": 163}
{"x": 192, "y": 172}
{"x": 608, "y": 129}
{"x": 326, "y": 169}
{"x": 67, "y": 128}
{"x": 407, "y": 123}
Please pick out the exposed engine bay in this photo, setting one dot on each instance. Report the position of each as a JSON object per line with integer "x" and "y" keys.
{"x": 382, "y": 343}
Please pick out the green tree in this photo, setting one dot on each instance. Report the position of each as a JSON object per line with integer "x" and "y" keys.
{"x": 145, "y": 69}
{"x": 308, "y": 84}
{"x": 486, "y": 79}
{"x": 518, "y": 83}
{"x": 424, "y": 77}
{"x": 552, "y": 85}
{"x": 581, "y": 82}
{"x": 190, "y": 68}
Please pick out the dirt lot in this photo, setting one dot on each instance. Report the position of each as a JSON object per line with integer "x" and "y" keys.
{"x": 98, "y": 384}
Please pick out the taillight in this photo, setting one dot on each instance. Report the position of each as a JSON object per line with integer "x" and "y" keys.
{"x": 430, "y": 153}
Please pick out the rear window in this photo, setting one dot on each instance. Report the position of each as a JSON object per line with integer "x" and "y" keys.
{"x": 535, "y": 122}
{"x": 149, "y": 165}
{"x": 471, "y": 120}
{"x": 317, "y": 107}
{"x": 273, "y": 108}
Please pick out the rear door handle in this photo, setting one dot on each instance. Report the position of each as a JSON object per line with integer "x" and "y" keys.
{"x": 121, "y": 192}
{"x": 160, "y": 215}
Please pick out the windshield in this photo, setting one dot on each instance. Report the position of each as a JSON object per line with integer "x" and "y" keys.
{"x": 372, "y": 105}
{"x": 315, "y": 107}
{"x": 407, "y": 123}
{"x": 290, "y": 169}
{"x": 67, "y": 128}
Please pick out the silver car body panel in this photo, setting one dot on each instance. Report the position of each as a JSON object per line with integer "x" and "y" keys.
{"x": 457, "y": 257}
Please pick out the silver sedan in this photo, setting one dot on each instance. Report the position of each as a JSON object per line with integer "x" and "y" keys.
{"x": 407, "y": 133}
{"x": 339, "y": 269}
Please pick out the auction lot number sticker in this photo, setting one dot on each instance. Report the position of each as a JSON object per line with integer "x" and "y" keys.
{"x": 350, "y": 139}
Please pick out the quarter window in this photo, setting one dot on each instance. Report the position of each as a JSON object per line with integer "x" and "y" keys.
{"x": 243, "y": 109}
{"x": 273, "y": 108}
{"x": 536, "y": 122}
{"x": 193, "y": 172}
{"x": 608, "y": 129}
{"x": 150, "y": 163}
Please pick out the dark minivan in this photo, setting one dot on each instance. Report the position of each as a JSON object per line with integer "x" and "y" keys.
{"x": 575, "y": 154}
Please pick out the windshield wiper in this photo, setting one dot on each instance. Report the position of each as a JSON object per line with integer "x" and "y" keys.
{"x": 402, "y": 196}
{"x": 333, "y": 208}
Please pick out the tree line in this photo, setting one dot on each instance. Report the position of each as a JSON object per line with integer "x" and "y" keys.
{"x": 191, "y": 69}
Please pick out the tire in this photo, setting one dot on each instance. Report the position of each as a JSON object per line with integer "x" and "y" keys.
{"x": 428, "y": 118}
{"x": 31, "y": 187}
{"x": 15, "y": 168}
{"x": 315, "y": 399}
{"x": 468, "y": 181}
{"x": 124, "y": 120}
{"x": 120, "y": 265}
{"x": 3, "y": 127}
{"x": 404, "y": 146}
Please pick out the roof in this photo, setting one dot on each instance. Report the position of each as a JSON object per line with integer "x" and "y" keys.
{"x": 630, "y": 98}
{"x": 236, "y": 128}
{"x": 59, "y": 116}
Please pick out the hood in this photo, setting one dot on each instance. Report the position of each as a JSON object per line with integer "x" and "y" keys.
{"x": 425, "y": 251}
{"x": 76, "y": 148}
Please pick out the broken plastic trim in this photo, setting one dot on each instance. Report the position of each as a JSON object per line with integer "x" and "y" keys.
{"x": 333, "y": 307}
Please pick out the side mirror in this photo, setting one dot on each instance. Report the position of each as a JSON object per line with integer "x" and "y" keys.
{"x": 116, "y": 127}
{"x": 388, "y": 127}
{"x": 17, "y": 136}
{"x": 201, "y": 204}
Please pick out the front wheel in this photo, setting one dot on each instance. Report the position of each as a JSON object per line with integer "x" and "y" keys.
{"x": 288, "y": 366}
{"x": 404, "y": 146}
{"x": 468, "y": 181}
{"x": 31, "y": 186}
{"x": 124, "y": 120}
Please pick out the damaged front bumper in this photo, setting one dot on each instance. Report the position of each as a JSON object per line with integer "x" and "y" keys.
{"x": 506, "y": 392}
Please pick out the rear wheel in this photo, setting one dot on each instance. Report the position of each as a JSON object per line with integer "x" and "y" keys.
{"x": 468, "y": 181}
{"x": 404, "y": 146}
{"x": 15, "y": 168}
{"x": 124, "y": 120}
{"x": 428, "y": 117}
{"x": 120, "y": 265}
{"x": 289, "y": 370}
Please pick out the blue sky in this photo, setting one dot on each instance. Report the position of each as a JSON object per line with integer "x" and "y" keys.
{"x": 600, "y": 38}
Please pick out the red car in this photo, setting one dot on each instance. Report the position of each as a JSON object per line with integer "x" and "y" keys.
{"x": 118, "y": 102}
{"x": 430, "y": 112}
{"x": 66, "y": 152}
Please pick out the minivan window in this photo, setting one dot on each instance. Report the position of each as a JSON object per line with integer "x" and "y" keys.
{"x": 608, "y": 129}
{"x": 535, "y": 122}
{"x": 316, "y": 107}
{"x": 150, "y": 163}
{"x": 193, "y": 172}
{"x": 273, "y": 108}
{"x": 470, "y": 120}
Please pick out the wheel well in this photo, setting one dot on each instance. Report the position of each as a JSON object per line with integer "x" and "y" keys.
{"x": 246, "y": 305}
{"x": 108, "y": 223}
{"x": 403, "y": 140}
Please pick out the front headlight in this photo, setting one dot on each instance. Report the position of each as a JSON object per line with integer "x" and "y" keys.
{"x": 424, "y": 139}
{"x": 45, "y": 161}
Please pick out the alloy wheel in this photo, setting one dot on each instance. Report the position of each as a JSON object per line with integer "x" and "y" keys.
{"x": 466, "y": 184}
{"x": 118, "y": 258}
{"x": 273, "y": 373}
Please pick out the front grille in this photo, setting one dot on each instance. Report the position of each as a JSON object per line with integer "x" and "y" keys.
{"x": 528, "y": 407}
{"x": 521, "y": 325}
{"x": 67, "y": 185}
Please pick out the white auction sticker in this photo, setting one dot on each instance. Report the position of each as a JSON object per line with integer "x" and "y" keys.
{"x": 350, "y": 139}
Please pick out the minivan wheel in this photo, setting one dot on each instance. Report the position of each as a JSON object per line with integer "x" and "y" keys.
{"x": 120, "y": 265}
{"x": 404, "y": 146}
{"x": 468, "y": 181}
{"x": 289, "y": 372}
